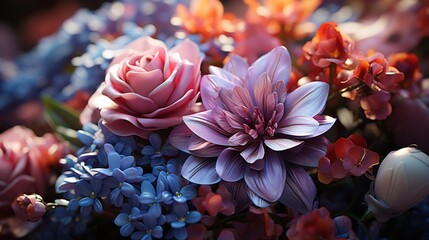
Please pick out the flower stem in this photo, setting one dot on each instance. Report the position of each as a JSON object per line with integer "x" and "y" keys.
{"x": 350, "y": 88}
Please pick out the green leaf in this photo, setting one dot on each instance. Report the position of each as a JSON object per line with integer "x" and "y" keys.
{"x": 63, "y": 120}
{"x": 59, "y": 114}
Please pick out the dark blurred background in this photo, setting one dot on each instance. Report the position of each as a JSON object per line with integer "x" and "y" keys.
{"x": 26, "y": 21}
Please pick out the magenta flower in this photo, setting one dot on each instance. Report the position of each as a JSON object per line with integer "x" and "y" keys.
{"x": 256, "y": 132}
{"x": 151, "y": 87}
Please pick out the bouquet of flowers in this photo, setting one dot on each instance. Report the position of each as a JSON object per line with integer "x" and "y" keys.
{"x": 198, "y": 120}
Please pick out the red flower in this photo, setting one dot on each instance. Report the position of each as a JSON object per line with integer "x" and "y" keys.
{"x": 314, "y": 225}
{"x": 408, "y": 64}
{"x": 328, "y": 46}
{"x": 347, "y": 156}
{"x": 377, "y": 74}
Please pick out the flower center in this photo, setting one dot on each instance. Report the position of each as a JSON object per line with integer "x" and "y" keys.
{"x": 261, "y": 127}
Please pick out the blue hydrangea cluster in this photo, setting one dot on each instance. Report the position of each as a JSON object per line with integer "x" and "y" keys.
{"x": 57, "y": 67}
{"x": 139, "y": 182}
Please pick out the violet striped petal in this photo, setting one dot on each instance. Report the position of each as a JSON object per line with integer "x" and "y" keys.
{"x": 298, "y": 126}
{"x": 204, "y": 125}
{"x": 300, "y": 191}
{"x": 237, "y": 66}
{"x": 310, "y": 152}
{"x": 230, "y": 165}
{"x": 200, "y": 170}
{"x": 269, "y": 182}
{"x": 307, "y": 100}
{"x": 281, "y": 144}
{"x": 253, "y": 152}
{"x": 277, "y": 64}
{"x": 257, "y": 200}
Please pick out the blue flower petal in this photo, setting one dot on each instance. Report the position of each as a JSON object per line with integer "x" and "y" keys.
{"x": 177, "y": 225}
{"x": 126, "y": 230}
{"x": 119, "y": 175}
{"x": 193, "y": 217}
{"x": 127, "y": 189}
{"x": 98, "y": 206}
{"x": 155, "y": 141}
{"x": 121, "y": 219}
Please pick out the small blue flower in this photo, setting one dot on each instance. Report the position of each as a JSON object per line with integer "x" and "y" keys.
{"x": 127, "y": 219}
{"x": 155, "y": 153}
{"x": 150, "y": 228}
{"x": 90, "y": 192}
{"x": 179, "y": 217}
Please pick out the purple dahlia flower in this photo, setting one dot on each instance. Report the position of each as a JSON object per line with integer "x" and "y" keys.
{"x": 253, "y": 130}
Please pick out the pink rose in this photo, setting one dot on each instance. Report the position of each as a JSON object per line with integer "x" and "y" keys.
{"x": 151, "y": 87}
{"x": 24, "y": 161}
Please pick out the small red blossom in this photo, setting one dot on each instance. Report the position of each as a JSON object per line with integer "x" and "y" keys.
{"x": 346, "y": 156}
{"x": 377, "y": 74}
{"x": 408, "y": 64}
{"x": 29, "y": 207}
{"x": 329, "y": 45}
{"x": 214, "y": 203}
{"x": 315, "y": 225}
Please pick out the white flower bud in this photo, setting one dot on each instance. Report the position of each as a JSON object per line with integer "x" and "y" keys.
{"x": 402, "y": 181}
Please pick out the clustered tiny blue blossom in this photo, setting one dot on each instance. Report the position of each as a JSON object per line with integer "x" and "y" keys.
{"x": 149, "y": 193}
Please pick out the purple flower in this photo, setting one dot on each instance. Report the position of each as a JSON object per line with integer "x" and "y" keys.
{"x": 255, "y": 129}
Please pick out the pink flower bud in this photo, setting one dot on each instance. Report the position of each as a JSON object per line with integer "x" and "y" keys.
{"x": 29, "y": 207}
{"x": 402, "y": 181}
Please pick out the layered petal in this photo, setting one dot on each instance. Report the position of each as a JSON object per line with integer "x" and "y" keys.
{"x": 269, "y": 182}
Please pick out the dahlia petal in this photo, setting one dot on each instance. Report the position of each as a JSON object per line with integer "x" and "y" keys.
{"x": 200, "y": 147}
{"x": 298, "y": 126}
{"x": 257, "y": 200}
{"x": 239, "y": 139}
{"x": 241, "y": 97}
{"x": 325, "y": 123}
{"x": 261, "y": 91}
{"x": 188, "y": 50}
{"x": 277, "y": 64}
{"x": 239, "y": 193}
{"x": 253, "y": 152}
{"x": 200, "y": 170}
{"x": 307, "y": 100}
{"x": 281, "y": 144}
{"x": 179, "y": 137}
{"x": 300, "y": 191}
{"x": 211, "y": 86}
{"x": 220, "y": 118}
{"x": 308, "y": 153}
{"x": 230, "y": 165}
{"x": 233, "y": 120}
{"x": 225, "y": 74}
{"x": 269, "y": 182}
{"x": 237, "y": 66}
{"x": 143, "y": 82}
{"x": 204, "y": 125}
